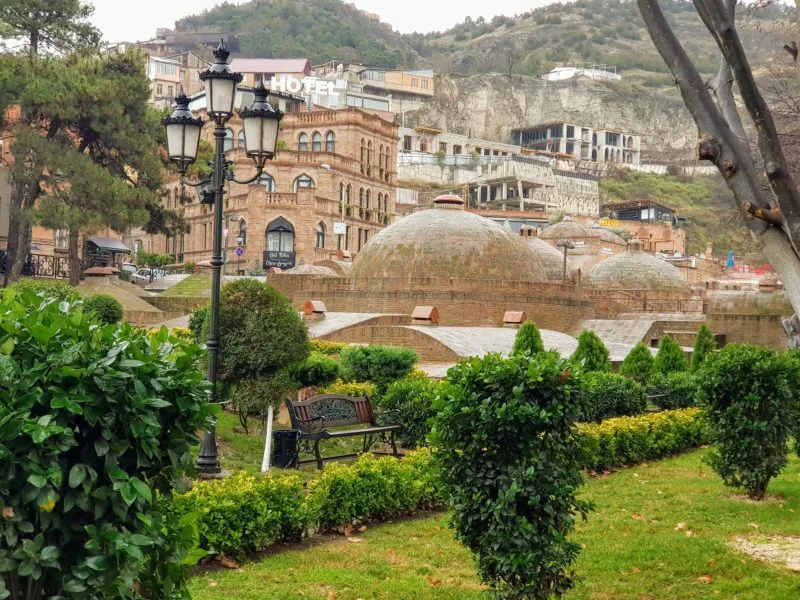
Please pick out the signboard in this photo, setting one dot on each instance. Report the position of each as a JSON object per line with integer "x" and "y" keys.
{"x": 339, "y": 228}
{"x": 239, "y": 251}
{"x": 276, "y": 258}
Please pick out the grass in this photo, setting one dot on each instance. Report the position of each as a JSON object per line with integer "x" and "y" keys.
{"x": 632, "y": 549}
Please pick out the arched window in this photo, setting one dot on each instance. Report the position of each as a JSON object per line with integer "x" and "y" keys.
{"x": 366, "y": 204}
{"x": 241, "y": 139}
{"x": 302, "y": 142}
{"x": 369, "y": 152}
{"x": 241, "y": 239}
{"x": 361, "y": 203}
{"x": 380, "y": 202}
{"x": 280, "y": 236}
{"x": 423, "y": 146}
{"x": 319, "y": 236}
{"x": 330, "y": 142}
{"x": 316, "y": 142}
{"x": 227, "y": 144}
{"x": 267, "y": 181}
{"x": 304, "y": 181}
{"x": 137, "y": 246}
{"x": 606, "y": 154}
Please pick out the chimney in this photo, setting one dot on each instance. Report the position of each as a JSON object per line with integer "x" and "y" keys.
{"x": 449, "y": 202}
{"x": 314, "y": 310}
{"x": 425, "y": 315}
{"x": 514, "y": 318}
{"x": 344, "y": 255}
{"x": 528, "y": 231}
{"x": 635, "y": 245}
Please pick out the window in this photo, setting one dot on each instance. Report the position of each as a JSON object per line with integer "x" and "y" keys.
{"x": 166, "y": 68}
{"x": 267, "y": 181}
{"x": 319, "y": 236}
{"x": 359, "y": 238}
{"x": 61, "y": 239}
{"x": 413, "y": 82}
{"x": 316, "y": 142}
{"x": 457, "y": 149}
{"x": 227, "y": 144}
{"x": 424, "y": 84}
{"x": 137, "y": 247}
{"x": 302, "y": 143}
{"x": 423, "y": 146}
{"x": 443, "y": 147}
{"x": 407, "y": 143}
{"x": 304, "y": 181}
{"x": 170, "y": 91}
{"x": 280, "y": 236}
{"x": 570, "y": 131}
{"x": 159, "y": 89}
{"x": 242, "y": 237}
{"x": 330, "y": 142}
{"x": 241, "y": 139}
{"x": 360, "y": 208}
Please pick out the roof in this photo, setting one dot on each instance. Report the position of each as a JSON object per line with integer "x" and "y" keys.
{"x": 566, "y": 230}
{"x": 105, "y": 243}
{"x": 637, "y": 204}
{"x": 270, "y": 65}
{"x": 636, "y": 270}
{"x": 479, "y": 341}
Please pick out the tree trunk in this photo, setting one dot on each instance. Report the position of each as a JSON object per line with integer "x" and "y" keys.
{"x": 23, "y": 197}
{"x": 74, "y": 257}
{"x": 34, "y": 43}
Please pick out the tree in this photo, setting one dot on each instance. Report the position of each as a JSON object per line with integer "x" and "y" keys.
{"x": 704, "y": 344}
{"x": 670, "y": 357}
{"x": 528, "y": 340}
{"x": 772, "y": 210}
{"x": 59, "y": 25}
{"x": 638, "y": 364}
{"x": 591, "y": 353}
{"x": 85, "y": 152}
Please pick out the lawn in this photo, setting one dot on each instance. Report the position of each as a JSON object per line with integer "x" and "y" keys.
{"x": 632, "y": 548}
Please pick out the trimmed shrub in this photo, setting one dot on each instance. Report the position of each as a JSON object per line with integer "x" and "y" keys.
{"x": 528, "y": 340}
{"x": 591, "y": 354}
{"x": 48, "y": 288}
{"x": 670, "y": 358}
{"x": 638, "y": 364}
{"x": 605, "y": 395}
{"x": 251, "y": 398}
{"x": 410, "y": 403}
{"x": 704, "y": 344}
{"x": 317, "y": 370}
{"x": 676, "y": 390}
{"x": 748, "y": 394}
{"x": 378, "y": 364}
{"x": 327, "y": 348}
{"x": 197, "y": 322}
{"x": 510, "y": 461}
{"x": 351, "y": 388}
{"x": 630, "y": 440}
{"x": 107, "y": 309}
{"x": 93, "y": 419}
{"x": 242, "y": 513}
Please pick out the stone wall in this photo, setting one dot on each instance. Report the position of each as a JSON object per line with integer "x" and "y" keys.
{"x": 749, "y": 329}
{"x": 428, "y": 349}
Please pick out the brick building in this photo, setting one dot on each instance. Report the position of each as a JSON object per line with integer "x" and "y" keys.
{"x": 332, "y": 189}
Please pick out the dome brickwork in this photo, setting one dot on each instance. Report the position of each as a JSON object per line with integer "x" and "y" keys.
{"x": 636, "y": 270}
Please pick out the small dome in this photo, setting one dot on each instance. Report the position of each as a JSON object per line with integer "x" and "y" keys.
{"x": 636, "y": 270}
{"x": 608, "y": 236}
{"x": 311, "y": 270}
{"x": 447, "y": 242}
{"x": 566, "y": 230}
{"x": 551, "y": 259}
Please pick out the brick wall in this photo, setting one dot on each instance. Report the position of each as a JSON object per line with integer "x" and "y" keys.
{"x": 428, "y": 349}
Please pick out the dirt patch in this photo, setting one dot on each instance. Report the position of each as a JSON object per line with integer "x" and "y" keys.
{"x": 770, "y": 499}
{"x": 777, "y": 550}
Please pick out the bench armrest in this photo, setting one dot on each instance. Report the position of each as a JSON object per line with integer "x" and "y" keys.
{"x": 313, "y": 421}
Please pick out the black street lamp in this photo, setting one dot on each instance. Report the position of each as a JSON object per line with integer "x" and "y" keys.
{"x": 261, "y": 123}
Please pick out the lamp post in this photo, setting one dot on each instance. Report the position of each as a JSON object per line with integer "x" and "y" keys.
{"x": 566, "y": 245}
{"x": 260, "y": 122}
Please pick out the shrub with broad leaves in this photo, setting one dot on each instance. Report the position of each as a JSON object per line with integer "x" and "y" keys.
{"x": 606, "y": 395}
{"x": 94, "y": 419}
{"x": 410, "y": 403}
{"x": 675, "y": 390}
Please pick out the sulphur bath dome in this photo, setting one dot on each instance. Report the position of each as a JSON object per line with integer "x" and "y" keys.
{"x": 447, "y": 242}
{"x": 636, "y": 269}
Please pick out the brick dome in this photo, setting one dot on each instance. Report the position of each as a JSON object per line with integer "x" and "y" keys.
{"x": 636, "y": 270}
{"x": 551, "y": 259}
{"x": 565, "y": 230}
{"x": 447, "y": 242}
{"x": 608, "y": 236}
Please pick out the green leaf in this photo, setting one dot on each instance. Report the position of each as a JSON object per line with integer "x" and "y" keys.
{"x": 97, "y": 563}
{"x": 101, "y": 447}
{"x": 74, "y": 586}
{"x": 130, "y": 362}
{"x": 142, "y": 489}
{"x": 49, "y": 553}
{"x": 138, "y": 539}
{"x": 37, "y": 481}
{"x": 77, "y": 475}
{"x": 7, "y": 347}
{"x": 128, "y": 493}
{"x": 157, "y": 403}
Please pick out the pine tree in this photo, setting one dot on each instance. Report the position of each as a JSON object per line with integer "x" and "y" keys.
{"x": 528, "y": 340}
{"x": 638, "y": 364}
{"x": 670, "y": 357}
{"x": 59, "y": 25}
{"x": 704, "y": 344}
{"x": 591, "y": 353}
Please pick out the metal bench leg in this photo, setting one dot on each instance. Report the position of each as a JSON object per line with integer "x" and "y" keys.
{"x": 394, "y": 445}
{"x": 317, "y": 454}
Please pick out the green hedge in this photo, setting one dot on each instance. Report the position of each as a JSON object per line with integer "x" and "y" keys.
{"x": 675, "y": 390}
{"x": 379, "y": 364}
{"x": 630, "y": 440}
{"x": 606, "y": 395}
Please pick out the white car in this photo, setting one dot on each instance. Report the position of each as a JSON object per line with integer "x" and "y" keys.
{"x": 142, "y": 276}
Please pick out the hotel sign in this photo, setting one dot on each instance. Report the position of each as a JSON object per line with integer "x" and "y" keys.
{"x": 276, "y": 258}
{"x": 307, "y": 85}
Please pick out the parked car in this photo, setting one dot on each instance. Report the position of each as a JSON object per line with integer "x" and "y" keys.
{"x": 142, "y": 276}
{"x": 128, "y": 268}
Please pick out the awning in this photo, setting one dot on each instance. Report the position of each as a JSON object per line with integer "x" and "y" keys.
{"x": 109, "y": 244}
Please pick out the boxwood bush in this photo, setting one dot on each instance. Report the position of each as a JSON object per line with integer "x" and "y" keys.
{"x": 316, "y": 370}
{"x": 107, "y": 308}
{"x": 509, "y": 457}
{"x": 606, "y": 395}
{"x": 675, "y": 390}
{"x": 410, "y": 403}
{"x": 378, "y": 364}
{"x": 93, "y": 420}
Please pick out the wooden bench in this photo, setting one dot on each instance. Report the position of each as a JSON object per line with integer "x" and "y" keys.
{"x": 314, "y": 418}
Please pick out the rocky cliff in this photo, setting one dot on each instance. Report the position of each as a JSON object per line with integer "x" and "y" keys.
{"x": 490, "y": 106}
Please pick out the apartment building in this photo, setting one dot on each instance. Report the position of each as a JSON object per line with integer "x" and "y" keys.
{"x": 580, "y": 142}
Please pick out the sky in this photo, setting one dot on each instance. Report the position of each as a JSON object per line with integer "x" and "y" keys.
{"x": 137, "y": 20}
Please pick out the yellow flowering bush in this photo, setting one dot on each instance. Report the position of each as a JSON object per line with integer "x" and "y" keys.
{"x": 629, "y": 440}
{"x": 351, "y": 388}
{"x": 327, "y": 348}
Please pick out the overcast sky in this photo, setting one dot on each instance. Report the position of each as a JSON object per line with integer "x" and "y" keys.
{"x": 137, "y": 20}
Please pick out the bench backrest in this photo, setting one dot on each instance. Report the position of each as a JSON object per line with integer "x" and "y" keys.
{"x": 338, "y": 411}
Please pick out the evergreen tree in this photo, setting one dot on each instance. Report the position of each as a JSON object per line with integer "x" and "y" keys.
{"x": 638, "y": 364}
{"x": 670, "y": 357}
{"x": 528, "y": 340}
{"x": 59, "y": 25}
{"x": 591, "y": 353}
{"x": 704, "y": 344}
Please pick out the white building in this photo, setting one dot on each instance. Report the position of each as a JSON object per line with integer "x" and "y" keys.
{"x": 597, "y": 72}
{"x": 581, "y": 142}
